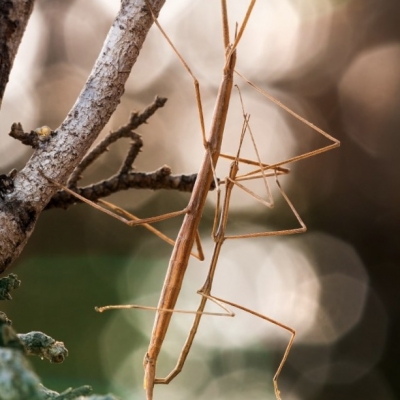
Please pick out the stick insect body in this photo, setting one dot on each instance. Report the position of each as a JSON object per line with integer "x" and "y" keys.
{"x": 188, "y": 234}
{"x": 181, "y": 252}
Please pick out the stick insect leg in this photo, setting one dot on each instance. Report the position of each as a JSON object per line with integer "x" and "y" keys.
{"x": 130, "y": 219}
{"x": 187, "y": 68}
{"x": 200, "y": 312}
{"x": 230, "y": 48}
{"x": 226, "y": 313}
{"x": 334, "y": 142}
{"x": 292, "y": 231}
{"x": 272, "y": 321}
{"x": 192, "y": 333}
{"x": 127, "y": 215}
{"x": 232, "y": 180}
{"x": 220, "y": 302}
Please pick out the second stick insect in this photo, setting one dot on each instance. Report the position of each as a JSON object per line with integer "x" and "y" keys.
{"x": 188, "y": 235}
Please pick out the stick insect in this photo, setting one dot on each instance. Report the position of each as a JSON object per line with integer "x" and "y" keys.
{"x": 188, "y": 235}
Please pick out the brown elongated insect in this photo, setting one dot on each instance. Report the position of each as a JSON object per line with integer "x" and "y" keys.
{"x": 188, "y": 234}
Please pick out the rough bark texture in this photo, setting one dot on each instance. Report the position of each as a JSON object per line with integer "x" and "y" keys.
{"x": 14, "y": 16}
{"x": 58, "y": 154}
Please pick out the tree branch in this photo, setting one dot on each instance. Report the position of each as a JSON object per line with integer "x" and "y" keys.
{"x": 125, "y": 179}
{"x": 159, "y": 179}
{"x": 62, "y": 151}
{"x": 127, "y": 130}
{"x": 14, "y": 16}
{"x": 39, "y": 344}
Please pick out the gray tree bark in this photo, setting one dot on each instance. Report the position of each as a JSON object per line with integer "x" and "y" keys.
{"x": 59, "y": 152}
{"x": 14, "y": 16}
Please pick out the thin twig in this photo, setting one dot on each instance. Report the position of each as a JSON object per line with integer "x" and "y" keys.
{"x": 159, "y": 179}
{"x": 125, "y": 178}
{"x": 135, "y": 121}
{"x": 33, "y": 138}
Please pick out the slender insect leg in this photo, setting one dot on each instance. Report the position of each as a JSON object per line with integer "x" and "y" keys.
{"x": 130, "y": 219}
{"x": 272, "y": 321}
{"x": 204, "y": 292}
{"x": 334, "y": 142}
{"x": 229, "y": 48}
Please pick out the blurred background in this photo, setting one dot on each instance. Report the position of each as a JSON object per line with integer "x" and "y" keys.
{"x": 335, "y": 62}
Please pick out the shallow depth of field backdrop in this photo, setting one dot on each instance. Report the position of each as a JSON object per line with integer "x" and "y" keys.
{"x": 335, "y": 62}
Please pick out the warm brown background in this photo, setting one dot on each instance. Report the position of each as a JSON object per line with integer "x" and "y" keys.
{"x": 336, "y": 63}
